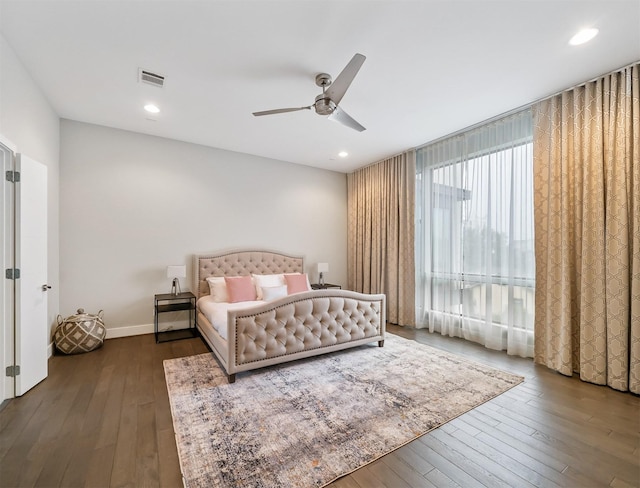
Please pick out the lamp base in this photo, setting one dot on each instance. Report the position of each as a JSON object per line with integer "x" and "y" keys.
{"x": 175, "y": 287}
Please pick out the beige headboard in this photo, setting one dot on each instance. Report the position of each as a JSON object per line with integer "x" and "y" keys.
{"x": 240, "y": 263}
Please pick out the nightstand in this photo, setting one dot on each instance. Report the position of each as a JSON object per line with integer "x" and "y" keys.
{"x": 318, "y": 286}
{"x": 168, "y": 302}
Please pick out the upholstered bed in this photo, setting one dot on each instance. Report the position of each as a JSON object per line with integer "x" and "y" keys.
{"x": 276, "y": 330}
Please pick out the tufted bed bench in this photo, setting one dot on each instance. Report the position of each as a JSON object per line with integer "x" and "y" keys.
{"x": 285, "y": 329}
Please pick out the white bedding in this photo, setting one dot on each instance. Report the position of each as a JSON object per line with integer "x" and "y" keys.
{"x": 216, "y": 312}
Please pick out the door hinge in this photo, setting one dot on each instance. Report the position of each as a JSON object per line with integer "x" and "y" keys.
{"x": 13, "y": 176}
{"x": 12, "y": 273}
{"x": 13, "y": 371}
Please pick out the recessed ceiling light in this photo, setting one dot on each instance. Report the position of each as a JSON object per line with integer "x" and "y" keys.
{"x": 151, "y": 108}
{"x": 343, "y": 154}
{"x": 585, "y": 35}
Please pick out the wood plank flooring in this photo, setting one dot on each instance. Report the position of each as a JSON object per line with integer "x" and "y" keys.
{"x": 103, "y": 419}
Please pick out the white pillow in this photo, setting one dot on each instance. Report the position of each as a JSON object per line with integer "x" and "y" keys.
{"x": 272, "y": 292}
{"x": 267, "y": 280}
{"x": 218, "y": 289}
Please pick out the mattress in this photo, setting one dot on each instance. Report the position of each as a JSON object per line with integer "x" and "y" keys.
{"x": 216, "y": 312}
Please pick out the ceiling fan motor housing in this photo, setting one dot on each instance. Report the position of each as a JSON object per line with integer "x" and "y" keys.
{"x": 324, "y": 105}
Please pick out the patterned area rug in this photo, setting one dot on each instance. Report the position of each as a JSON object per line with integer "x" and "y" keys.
{"x": 309, "y": 422}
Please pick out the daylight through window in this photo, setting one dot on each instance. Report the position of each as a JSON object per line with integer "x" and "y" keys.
{"x": 474, "y": 252}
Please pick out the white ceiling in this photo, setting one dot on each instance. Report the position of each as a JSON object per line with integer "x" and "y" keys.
{"x": 432, "y": 68}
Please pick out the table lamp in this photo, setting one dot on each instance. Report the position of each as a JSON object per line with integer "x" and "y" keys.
{"x": 322, "y": 268}
{"x": 176, "y": 272}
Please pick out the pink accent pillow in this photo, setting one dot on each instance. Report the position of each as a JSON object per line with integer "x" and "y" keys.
{"x": 240, "y": 288}
{"x": 296, "y": 283}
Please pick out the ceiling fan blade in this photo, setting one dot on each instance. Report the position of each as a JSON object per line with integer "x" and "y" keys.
{"x": 344, "y": 118}
{"x": 339, "y": 87}
{"x": 281, "y": 111}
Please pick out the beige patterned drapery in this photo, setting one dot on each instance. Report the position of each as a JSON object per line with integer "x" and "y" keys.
{"x": 587, "y": 230}
{"x": 381, "y": 209}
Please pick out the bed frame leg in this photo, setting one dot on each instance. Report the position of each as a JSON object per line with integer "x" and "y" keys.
{"x": 381, "y": 343}
{"x": 231, "y": 378}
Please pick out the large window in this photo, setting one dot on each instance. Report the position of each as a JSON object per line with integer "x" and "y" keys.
{"x": 474, "y": 249}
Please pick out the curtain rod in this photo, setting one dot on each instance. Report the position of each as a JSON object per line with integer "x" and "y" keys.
{"x": 383, "y": 159}
{"x": 588, "y": 81}
{"x": 522, "y": 108}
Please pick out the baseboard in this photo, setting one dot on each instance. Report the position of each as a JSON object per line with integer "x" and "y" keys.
{"x": 131, "y": 330}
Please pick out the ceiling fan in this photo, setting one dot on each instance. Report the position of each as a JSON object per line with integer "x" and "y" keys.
{"x": 332, "y": 92}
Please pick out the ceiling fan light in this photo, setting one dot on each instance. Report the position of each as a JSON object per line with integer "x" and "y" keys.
{"x": 324, "y": 105}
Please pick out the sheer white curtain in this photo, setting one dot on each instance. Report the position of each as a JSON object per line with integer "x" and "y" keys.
{"x": 475, "y": 264}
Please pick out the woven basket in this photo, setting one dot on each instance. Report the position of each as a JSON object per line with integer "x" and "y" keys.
{"x": 79, "y": 333}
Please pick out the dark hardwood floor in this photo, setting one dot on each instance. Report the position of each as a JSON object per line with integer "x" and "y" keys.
{"x": 103, "y": 419}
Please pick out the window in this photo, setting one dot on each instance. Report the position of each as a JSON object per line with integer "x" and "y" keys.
{"x": 475, "y": 255}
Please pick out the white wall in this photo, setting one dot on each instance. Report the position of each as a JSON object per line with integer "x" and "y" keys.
{"x": 30, "y": 123}
{"x": 131, "y": 204}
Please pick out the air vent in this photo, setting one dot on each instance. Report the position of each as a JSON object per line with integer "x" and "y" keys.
{"x": 154, "y": 79}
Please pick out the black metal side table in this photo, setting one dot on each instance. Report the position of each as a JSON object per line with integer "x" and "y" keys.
{"x": 318, "y": 286}
{"x": 168, "y": 302}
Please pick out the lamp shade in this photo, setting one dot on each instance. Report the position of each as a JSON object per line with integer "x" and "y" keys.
{"x": 323, "y": 267}
{"x": 176, "y": 271}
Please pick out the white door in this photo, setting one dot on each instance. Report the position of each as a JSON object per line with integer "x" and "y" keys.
{"x": 32, "y": 327}
{"x": 7, "y": 151}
